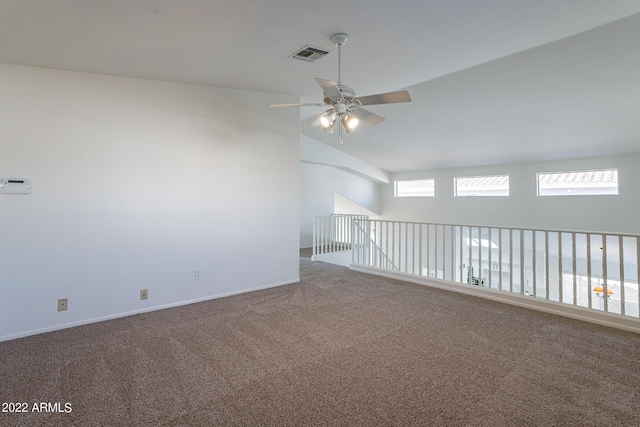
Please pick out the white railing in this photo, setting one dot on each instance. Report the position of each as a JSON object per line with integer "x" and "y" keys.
{"x": 333, "y": 233}
{"x": 597, "y": 271}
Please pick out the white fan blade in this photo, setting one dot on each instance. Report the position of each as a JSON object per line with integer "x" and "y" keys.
{"x": 385, "y": 98}
{"x": 330, "y": 88}
{"x": 318, "y": 104}
{"x": 367, "y": 116}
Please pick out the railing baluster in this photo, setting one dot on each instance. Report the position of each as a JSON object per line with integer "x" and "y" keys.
{"x": 321, "y": 235}
{"x": 589, "y": 299}
{"x": 398, "y": 257}
{"x": 480, "y": 272}
{"x": 375, "y": 242}
{"x": 375, "y": 249}
{"x": 638, "y": 269}
{"x": 387, "y": 243}
{"x": 339, "y": 232}
{"x": 313, "y": 238}
{"x": 574, "y": 265}
{"x": 393, "y": 246}
{"x": 328, "y": 235}
{"x": 511, "y": 260}
{"x": 500, "y": 259}
{"x": 470, "y": 273}
{"x": 444, "y": 250}
{"x": 453, "y": 254}
{"x": 363, "y": 243}
{"x": 374, "y": 246}
{"x": 406, "y": 247}
{"x": 343, "y": 228}
{"x": 339, "y": 237}
{"x": 409, "y": 247}
{"x": 420, "y": 250}
{"x": 354, "y": 233}
{"x": 391, "y": 242}
{"x": 325, "y": 234}
{"x": 319, "y": 239}
{"x": 338, "y": 221}
{"x": 560, "y": 281}
{"x": 340, "y": 226}
{"x": 605, "y": 294}
{"x": 399, "y": 247}
{"x": 398, "y": 235}
{"x": 435, "y": 249}
{"x": 535, "y": 263}
{"x": 357, "y": 230}
{"x": 522, "y": 262}
{"x": 490, "y": 269}
{"x": 416, "y": 240}
{"x": 332, "y": 224}
{"x": 346, "y": 228}
{"x": 364, "y": 256}
{"x": 383, "y": 241}
{"x": 358, "y": 244}
{"x": 547, "y": 285}
{"x": 622, "y": 290}
{"x": 461, "y": 260}
{"x": 428, "y": 250}
{"x": 336, "y": 232}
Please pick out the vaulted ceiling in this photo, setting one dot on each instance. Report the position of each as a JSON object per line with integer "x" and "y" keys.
{"x": 491, "y": 81}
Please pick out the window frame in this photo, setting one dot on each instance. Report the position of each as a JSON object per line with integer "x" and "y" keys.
{"x": 396, "y": 192}
{"x": 582, "y": 190}
{"x": 456, "y": 192}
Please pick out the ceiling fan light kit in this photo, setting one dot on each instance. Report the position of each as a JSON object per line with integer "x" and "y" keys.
{"x": 349, "y": 122}
{"x": 343, "y": 102}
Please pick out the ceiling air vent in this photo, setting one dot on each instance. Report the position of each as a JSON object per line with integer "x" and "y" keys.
{"x": 309, "y": 53}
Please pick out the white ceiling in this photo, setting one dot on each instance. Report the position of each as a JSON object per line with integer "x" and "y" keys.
{"x": 492, "y": 81}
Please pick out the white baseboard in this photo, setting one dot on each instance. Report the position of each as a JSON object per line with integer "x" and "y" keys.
{"x": 578, "y": 313}
{"x": 140, "y": 311}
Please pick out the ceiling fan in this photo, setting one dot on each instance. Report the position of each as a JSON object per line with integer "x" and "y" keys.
{"x": 345, "y": 107}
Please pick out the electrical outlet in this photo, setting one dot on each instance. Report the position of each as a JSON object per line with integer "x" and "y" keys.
{"x": 144, "y": 294}
{"x": 197, "y": 275}
{"x": 63, "y": 304}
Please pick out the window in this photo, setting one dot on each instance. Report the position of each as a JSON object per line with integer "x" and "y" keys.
{"x": 415, "y": 188}
{"x": 495, "y": 185}
{"x": 578, "y": 183}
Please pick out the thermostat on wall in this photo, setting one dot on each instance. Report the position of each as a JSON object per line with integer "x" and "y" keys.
{"x": 15, "y": 186}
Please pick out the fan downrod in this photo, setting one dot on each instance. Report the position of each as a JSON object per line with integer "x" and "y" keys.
{"x": 339, "y": 39}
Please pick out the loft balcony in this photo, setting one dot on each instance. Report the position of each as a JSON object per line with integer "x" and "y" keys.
{"x": 592, "y": 276}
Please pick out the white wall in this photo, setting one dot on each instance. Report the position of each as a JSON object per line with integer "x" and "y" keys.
{"x": 342, "y": 205}
{"x": 316, "y": 198}
{"x": 325, "y": 171}
{"x": 523, "y": 208}
{"x": 319, "y": 185}
{"x": 312, "y": 151}
{"x": 137, "y": 183}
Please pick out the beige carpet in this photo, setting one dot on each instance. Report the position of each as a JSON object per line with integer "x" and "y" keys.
{"x": 339, "y": 348}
